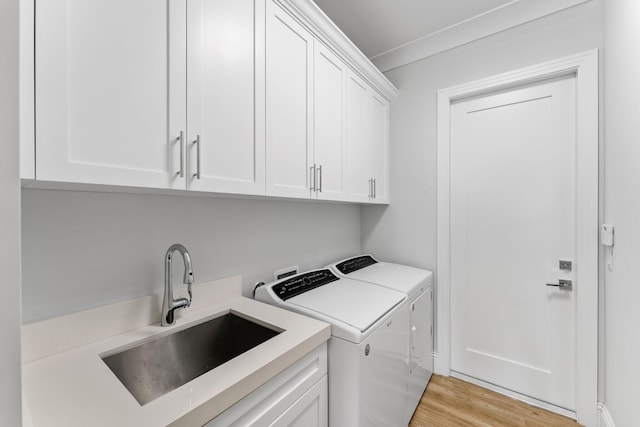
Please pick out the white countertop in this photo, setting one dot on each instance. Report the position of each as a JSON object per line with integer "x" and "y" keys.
{"x": 66, "y": 383}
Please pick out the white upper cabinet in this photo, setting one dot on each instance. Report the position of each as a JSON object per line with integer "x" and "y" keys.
{"x": 226, "y": 96}
{"x": 289, "y": 73}
{"x": 221, "y": 92}
{"x": 359, "y": 155}
{"x": 367, "y": 142}
{"x": 378, "y": 125}
{"x": 105, "y": 113}
{"x": 329, "y": 120}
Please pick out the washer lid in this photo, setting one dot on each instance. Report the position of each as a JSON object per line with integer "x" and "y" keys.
{"x": 355, "y": 303}
{"x": 395, "y": 276}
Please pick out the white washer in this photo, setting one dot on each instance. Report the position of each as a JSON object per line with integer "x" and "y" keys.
{"x": 417, "y": 284}
{"x": 368, "y": 348}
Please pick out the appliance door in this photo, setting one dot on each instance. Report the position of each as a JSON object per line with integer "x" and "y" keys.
{"x": 384, "y": 373}
{"x": 395, "y": 276}
{"x": 421, "y": 339}
{"x": 355, "y": 303}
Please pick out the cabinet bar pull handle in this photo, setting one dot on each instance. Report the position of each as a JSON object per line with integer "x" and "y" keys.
{"x": 312, "y": 177}
{"x": 197, "y": 142}
{"x": 181, "y": 139}
{"x": 375, "y": 188}
{"x": 370, "y": 187}
{"x": 320, "y": 179}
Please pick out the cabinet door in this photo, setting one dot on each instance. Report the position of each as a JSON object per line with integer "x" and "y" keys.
{"x": 359, "y": 158}
{"x": 110, "y": 92}
{"x": 300, "y": 390}
{"x": 329, "y": 113}
{"x": 311, "y": 410}
{"x": 378, "y": 127}
{"x": 221, "y": 88}
{"x": 289, "y": 73}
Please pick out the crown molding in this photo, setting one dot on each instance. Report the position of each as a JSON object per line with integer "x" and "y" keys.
{"x": 499, "y": 19}
{"x": 316, "y": 21}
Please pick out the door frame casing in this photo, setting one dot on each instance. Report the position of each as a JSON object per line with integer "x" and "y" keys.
{"x": 584, "y": 67}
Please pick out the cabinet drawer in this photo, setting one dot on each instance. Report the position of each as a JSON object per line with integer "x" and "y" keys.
{"x": 272, "y": 400}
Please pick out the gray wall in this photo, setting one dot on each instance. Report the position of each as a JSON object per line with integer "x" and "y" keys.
{"x": 406, "y": 230}
{"x": 622, "y": 209}
{"x": 86, "y": 249}
{"x": 10, "y": 397}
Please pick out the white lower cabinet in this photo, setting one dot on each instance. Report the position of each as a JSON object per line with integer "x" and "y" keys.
{"x": 295, "y": 397}
{"x": 308, "y": 411}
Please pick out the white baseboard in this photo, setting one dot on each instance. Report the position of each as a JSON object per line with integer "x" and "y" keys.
{"x": 604, "y": 417}
{"x": 438, "y": 367}
{"x": 515, "y": 395}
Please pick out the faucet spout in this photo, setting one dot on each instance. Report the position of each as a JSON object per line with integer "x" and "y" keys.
{"x": 169, "y": 304}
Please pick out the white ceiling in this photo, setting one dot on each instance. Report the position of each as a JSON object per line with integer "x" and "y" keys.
{"x": 377, "y": 26}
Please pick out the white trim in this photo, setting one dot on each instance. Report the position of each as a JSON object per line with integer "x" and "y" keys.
{"x": 499, "y": 19}
{"x": 585, "y": 67}
{"x": 515, "y": 395}
{"x": 27, "y": 90}
{"x": 316, "y": 21}
{"x": 604, "y": 417}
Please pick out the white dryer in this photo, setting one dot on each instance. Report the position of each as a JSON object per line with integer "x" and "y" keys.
{"x": 417, "y": 284}
{"x": 368, "y": 348}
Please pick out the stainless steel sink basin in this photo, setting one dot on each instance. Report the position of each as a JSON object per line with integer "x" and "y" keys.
{"x": 154, "y": 368}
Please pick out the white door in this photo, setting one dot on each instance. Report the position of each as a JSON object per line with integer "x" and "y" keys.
{"x": 110, "y": 101}
{"x": 289, "y": 73}
{"x": 329, "y": 113}
{"x": 513, "y": 219}
{"x": 226, "y": 153}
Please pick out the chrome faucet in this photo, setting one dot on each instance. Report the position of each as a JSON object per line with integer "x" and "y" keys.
{"x": 170, "y": 305}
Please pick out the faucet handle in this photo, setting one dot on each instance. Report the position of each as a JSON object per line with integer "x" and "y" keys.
{"x": 182, "y": 303}
{"x": 190, "y": 295}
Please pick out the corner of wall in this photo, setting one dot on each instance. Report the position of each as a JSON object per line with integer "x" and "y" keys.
{"x": 10, "y": 386}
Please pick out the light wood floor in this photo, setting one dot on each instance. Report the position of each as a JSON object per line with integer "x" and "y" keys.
{"x": 452, "y": 402}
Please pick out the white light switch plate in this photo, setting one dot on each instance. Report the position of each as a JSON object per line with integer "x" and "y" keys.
{"x": 607, "y": 232}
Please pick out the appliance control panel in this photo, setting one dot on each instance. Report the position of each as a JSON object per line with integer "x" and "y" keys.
{"x": 304, "y": 282}
{"x": 355, "y": 264}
